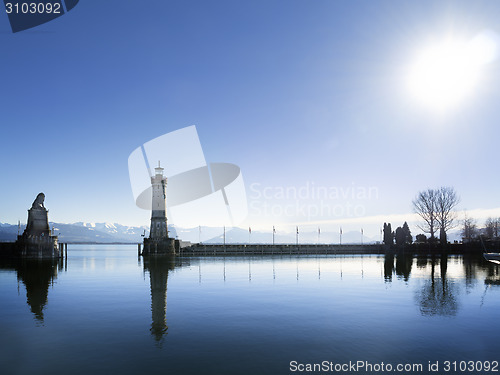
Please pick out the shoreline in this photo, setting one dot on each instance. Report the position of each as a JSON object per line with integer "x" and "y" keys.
{"x": 7, "y": 248}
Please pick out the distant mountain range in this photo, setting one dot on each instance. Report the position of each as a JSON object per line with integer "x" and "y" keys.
{"x": 83, "y": 232}
{"x": 116, "y": 233}
{"x": 243, "y": 236}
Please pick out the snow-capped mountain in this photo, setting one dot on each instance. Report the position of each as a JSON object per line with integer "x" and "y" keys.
{"x": 114, "y": 232}
{"x": 114, "y": 228}
{"x": 99, "y": 232}
{"x": 84, "y": 232}
{"x": 245, "y": 236}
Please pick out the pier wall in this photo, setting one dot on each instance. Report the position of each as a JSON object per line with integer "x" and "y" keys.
{"x": 325, "y": 249}
{"x": 33, "y": 247}
{"x": 7, "y": 249}
{"x": 211, "y": 249}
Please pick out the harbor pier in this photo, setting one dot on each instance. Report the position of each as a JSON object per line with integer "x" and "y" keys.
{"x": 278, "y": 249}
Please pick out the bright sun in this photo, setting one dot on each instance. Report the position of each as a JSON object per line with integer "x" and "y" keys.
{"x": 447, "y": 72}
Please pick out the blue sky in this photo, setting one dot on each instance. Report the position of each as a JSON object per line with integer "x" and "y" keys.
{"x": 294, "y": 92}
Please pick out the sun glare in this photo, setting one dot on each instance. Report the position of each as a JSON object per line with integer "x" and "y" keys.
{"x": 446, "y": 73}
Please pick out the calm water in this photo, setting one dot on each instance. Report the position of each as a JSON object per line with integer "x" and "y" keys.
{"x": 107, "y": 312}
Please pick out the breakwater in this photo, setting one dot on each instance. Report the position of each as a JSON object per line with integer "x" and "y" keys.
{"x": 327, "y": 249}
{"x": 43, "y": 248}
{"x": 285, "y": 249}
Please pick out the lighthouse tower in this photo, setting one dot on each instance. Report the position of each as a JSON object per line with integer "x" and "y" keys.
{"x": 158, "y": 229}
{"x": 159, "y": 243}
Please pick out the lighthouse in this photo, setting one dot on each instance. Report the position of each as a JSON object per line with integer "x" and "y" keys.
{"x": 158, "y": 229}
{"x": 159, "y": 243}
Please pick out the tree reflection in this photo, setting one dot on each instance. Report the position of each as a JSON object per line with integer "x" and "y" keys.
{"x": 388, "y": 266}
{"x": 404, "y": 263}
{"x": 492, "y": 275}
{"x": 438, "y": 296}
{"x": 421, "y": 262}
{"x": 471, "y": 269}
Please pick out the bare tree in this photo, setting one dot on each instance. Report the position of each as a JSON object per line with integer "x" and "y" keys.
{"x": 469, "y": 228}
{"x": 492, "y": 227}
{"x": 436, "y": 208}
{"x": 446, "y": 200}
{"x": 425, "y": 205}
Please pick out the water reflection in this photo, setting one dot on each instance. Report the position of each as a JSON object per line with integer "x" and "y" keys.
{"x": 404, "y": 263}
{"x": 158, "y": 268}
{"x": 492, "y": 276}
{"x": 438, "y": 295}
{"x": 158, "y": 275}
{"x": 388, "y": 266}
{"x": 37, "y": 276}
{"x": 402, "y": 269}
{"x": 438, "y": 283}
{"x": 113, "y": 318}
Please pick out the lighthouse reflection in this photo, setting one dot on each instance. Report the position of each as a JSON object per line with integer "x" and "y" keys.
{"x": 158, "y": 268}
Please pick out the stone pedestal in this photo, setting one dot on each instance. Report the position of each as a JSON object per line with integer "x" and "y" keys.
{"x": 165, "y": 246}
{"x": 37, "y": 240}
{"x": 38, "y": 222}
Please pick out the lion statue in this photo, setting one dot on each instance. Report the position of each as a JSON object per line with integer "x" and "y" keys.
{"x": 38, "y": 202}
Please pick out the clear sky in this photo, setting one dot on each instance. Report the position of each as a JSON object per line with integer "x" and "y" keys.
{"x": 299, "y": 94}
